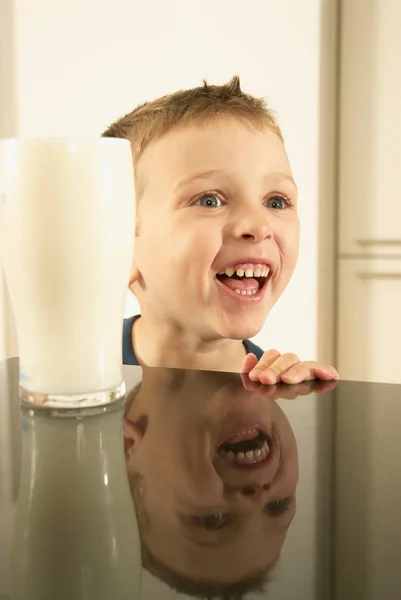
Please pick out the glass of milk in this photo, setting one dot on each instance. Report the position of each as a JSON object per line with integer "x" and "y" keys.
{"x": 75, "y": 530}
{"x": 67, "y": 228}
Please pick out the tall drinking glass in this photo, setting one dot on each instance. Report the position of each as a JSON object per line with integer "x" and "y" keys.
{"x": 67, "y": 222}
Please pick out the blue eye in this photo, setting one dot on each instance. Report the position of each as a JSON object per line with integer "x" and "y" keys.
{"x": 277, "y": 202}
{"x": 216, "y": 521}
{"x": 209, "y": 201}
{"x": 278, "y": 507}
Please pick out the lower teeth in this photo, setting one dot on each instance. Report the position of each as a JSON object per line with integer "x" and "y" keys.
{"x": 245, "y": 292}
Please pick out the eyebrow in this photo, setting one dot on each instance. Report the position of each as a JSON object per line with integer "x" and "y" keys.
{"x": 219, "y": 173}
{"x": 285, "y": 177}
{"x": 216, "y": 539}
{"x": 212, "y": 543}
{"x": 201, "y": 175}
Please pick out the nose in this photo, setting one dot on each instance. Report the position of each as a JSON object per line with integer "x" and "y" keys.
{"x": 257, "y": 494}
{"x": 253, "y": 225}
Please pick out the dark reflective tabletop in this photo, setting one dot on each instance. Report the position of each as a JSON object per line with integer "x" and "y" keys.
{"x": 239, "y": 490}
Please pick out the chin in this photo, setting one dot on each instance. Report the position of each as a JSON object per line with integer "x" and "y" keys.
{"x": 242, "y": 331}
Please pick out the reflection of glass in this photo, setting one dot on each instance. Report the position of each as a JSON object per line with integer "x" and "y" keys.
{"x": 67, "y": 217}
{"x": 214, "y": 506}
{"x": 75, "y": 530}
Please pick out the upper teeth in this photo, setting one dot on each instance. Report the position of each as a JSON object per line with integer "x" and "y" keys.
{"x": 256, "y": 271}
{"x": 247, "y": 458}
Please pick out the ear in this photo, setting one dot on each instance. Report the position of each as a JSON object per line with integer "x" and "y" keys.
{"x": 133, "y": 435}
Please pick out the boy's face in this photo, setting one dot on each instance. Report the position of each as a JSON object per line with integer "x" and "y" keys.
{"x": 218, "y": 199}
{"x": 206, "y": 517}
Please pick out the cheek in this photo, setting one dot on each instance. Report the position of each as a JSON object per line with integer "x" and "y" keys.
{"x": 153, "y": 460}
{"x": 153, "y": 253}
{"x": 287, "y": 237}
{"x": 191, "y": 232}
{"x": 176, "y": 254}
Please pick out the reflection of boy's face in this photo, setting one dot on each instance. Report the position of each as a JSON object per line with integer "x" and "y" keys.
{"x": 205, "y": 517}
{"x": 215, "y": 196}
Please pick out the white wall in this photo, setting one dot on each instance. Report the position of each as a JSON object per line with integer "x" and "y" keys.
{"x": 8, "y": 127}
{"x": 79, "y": 64}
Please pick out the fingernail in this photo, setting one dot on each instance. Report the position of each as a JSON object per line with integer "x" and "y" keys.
{"x": 291, "y": 373}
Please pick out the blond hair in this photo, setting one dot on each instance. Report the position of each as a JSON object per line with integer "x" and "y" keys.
{"x": 256, "y": 582}
{"x": 200, "y": 105}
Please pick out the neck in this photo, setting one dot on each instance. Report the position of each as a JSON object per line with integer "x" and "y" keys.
{"x": 158, "y": 343}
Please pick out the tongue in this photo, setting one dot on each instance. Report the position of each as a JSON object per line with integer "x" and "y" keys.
{"x": 243, "y": 437}
{"x": 244, "y": 284}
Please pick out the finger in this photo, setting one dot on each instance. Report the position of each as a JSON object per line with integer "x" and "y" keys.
{"x": 250, "y": 361}
{"x": 327, "y": 373}
{"x": 292, "y": 392}
{"x": 307, "y": 371}
{"x": 268, "y": 358}
{"x": 273, "y": 373}
{"x": 249, "y": 385}
{"x": 305, "y": 388}
{"x": 268, "y": 391}
{"x": 321, "y": 386}
{"x": 303, "y": 371}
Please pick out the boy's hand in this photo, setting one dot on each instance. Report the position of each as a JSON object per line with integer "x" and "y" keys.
{"x": 274, "y": 367}
{"x": 288, "y": 392}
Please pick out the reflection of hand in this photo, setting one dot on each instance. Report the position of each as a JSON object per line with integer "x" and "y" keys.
{"x": 274, "y": 367}
{"x": 288, "y": 392}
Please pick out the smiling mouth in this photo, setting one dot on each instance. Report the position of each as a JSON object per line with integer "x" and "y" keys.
{"x": 249, "y": 447}
{"x": 245, "y": 279}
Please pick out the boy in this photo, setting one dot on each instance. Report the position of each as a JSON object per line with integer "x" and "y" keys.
{"x": 209, "y": 529}
{"x": 217, "y": 233}
{"x": 215, "y": 494}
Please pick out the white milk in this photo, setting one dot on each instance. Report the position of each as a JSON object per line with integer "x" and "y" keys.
{"x": 67, "y": 226}
{"x": 75, "y": 533}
